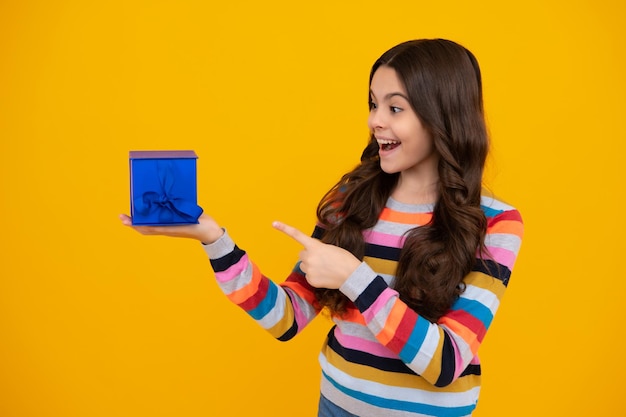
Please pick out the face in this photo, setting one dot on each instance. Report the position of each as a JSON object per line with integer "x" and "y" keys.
{"x": 405, "y": 146}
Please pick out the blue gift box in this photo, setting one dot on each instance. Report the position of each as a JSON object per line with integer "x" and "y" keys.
{"x": 163, "y": 188}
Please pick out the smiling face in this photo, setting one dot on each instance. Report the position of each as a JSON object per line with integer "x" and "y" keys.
{"x": 405, "y": 146}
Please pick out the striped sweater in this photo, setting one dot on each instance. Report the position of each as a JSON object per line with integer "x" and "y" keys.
{"x": 382, "y": 358}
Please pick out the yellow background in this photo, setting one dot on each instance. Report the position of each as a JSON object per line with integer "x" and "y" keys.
{"x": 96, "y": 320}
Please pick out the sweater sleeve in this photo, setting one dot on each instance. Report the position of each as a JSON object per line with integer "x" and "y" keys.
{"x": 440, "y": 352}
{"x": 283, "y": 310}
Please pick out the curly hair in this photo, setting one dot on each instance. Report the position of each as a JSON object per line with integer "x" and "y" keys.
{"x": 444, "y": 86}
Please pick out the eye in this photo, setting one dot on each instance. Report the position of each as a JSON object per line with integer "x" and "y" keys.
{"x": 395, "y": 109}
{"x": 373, "y": 105}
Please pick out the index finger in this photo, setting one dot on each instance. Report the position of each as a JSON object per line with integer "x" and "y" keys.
{"x": 302, "y": 238}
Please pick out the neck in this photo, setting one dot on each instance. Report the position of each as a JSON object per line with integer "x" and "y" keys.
{"x": 411, "y": 190}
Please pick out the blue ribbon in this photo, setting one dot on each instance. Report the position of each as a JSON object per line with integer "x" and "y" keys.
{"x": 164, "y": 202}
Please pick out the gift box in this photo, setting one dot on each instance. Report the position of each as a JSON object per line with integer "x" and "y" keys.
{"x": 163, "y": 188}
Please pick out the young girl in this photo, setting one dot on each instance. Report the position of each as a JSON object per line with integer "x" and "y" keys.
{"x": 408, "y": 256}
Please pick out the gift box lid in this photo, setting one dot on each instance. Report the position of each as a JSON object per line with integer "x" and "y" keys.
{"x": 162, "y": 155}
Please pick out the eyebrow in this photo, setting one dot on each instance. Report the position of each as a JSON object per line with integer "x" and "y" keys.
{"x": 391, "y": 95}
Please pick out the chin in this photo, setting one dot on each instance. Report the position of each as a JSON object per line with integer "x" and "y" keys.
{"x": 389, "y": 169}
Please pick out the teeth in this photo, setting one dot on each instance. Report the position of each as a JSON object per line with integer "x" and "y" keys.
{"x": 386, "y": 141}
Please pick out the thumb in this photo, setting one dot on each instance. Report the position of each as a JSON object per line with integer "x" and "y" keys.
{"x": 302, "y": 238}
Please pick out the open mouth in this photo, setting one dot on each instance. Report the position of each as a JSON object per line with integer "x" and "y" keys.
{"x": 387, "y": 144}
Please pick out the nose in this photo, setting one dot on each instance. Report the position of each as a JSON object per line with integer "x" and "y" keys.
{"x": 375, "y": 120}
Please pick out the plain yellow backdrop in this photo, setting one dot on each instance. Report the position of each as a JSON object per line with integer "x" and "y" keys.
{"x": 96, "y": 320}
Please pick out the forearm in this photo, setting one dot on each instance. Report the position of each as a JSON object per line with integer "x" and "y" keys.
{"x": 283, "y": 310}
{"x": 436, "y": 351}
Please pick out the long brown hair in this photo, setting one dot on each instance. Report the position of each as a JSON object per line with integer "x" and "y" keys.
{"x": 443, "y": 82}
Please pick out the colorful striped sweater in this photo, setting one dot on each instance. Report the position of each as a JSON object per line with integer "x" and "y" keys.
{"x": 382, "y": 358}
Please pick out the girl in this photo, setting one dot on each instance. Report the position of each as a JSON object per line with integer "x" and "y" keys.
{"x": 408, "y": 256}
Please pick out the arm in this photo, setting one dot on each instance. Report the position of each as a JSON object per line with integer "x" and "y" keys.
{"x": 283, "y": 310}
{"x": 441, "y": 351}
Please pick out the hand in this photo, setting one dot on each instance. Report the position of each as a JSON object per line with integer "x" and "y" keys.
{"x": 325, "y": 266}
{"x": 207, "y": 231}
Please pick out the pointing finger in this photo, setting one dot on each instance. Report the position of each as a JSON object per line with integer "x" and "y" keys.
{"x": 302, "y": 238}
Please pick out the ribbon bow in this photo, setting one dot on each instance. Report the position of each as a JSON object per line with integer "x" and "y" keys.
{"x": 164, "y": 202}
